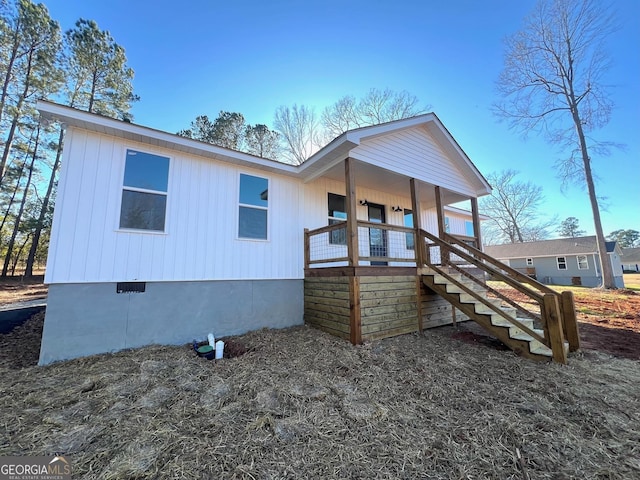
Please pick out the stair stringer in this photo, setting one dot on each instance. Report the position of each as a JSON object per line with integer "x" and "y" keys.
{"x": 520, "y": 347}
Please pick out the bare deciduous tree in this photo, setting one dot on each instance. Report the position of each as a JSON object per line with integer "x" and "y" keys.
{"x": 299, "y": 128}
{"x": 377, "y": 106}
{"x": 513, "y": 208}
{"x": 552, "y": 82}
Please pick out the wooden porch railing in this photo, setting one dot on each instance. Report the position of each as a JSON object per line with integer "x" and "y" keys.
{"x": 378, "y": 242}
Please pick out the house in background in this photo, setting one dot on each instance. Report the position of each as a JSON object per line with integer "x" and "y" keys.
{"x": 562, "y": 261}
{"x": 631, "y": 259}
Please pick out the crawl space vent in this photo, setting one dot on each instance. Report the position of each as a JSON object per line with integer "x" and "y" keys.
{"x": 131, "y": 287}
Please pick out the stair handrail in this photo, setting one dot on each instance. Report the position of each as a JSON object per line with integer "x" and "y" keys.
{"x": 502, "y": 266}
{"x": 499, "y": 295}
{"x": 455, "y": 250}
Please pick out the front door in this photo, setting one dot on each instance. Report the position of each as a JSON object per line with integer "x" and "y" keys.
{"x": 377, "y": 236}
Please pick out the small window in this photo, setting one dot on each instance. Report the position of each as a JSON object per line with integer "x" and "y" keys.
{"x": 468, "y": 228}
{"x": 562, "y": 263}
{"x": 447, "y": 224}
{"x": 337, "y": 214}
{"x": 408, "y": 222}
{"x": 253, "y": 207}
{"x": 583, "y": 263}
{"x": 144, "y": 192}
{"x": 529, "y": 262}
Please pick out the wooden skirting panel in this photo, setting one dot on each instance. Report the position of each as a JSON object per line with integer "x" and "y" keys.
{"x": 326, "y": 304}
{"x": 387, "y": 305}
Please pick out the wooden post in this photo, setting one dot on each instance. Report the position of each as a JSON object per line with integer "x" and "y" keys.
{"x": 352, "y": 220}
{"x": 419, "y": 303}
{"x": 476, "y": 223}
{"x": 444, "y": 255}
{"x": 570, "y": 321}
{"x": 307, "y": 249}
{"x": 415, "y": 208}
{"x": 355, "y": 319}
{"x": 554, "y": 327}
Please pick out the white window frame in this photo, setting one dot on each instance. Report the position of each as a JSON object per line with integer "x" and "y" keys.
{"x": 586, "y": 262}
{"x": 447, "y": 224}
{"x": 123, "y": 187}
{"x": 564, "y": 262}
{"x": 335, "y": 220}
{"x": 529, "y": 262}
{"x": 256, "y": 207}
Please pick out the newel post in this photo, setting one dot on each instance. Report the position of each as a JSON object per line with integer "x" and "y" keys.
{"x": 553, "y": 321}
{"x": 307, "y": 249}
{"x": 569, "y": 320}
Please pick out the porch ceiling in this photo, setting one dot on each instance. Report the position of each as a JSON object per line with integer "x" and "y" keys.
{"x": 377, "y": 178}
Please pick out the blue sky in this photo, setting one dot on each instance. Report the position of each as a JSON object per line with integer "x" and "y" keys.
{"x": 202, "y": 56}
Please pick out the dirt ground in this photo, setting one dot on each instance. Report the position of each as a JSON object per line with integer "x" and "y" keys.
{"x": 18, "y": 289}
{"x": 608, "y": 321}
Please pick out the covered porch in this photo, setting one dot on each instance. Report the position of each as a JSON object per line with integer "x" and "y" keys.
{"x": 363, "y": 270}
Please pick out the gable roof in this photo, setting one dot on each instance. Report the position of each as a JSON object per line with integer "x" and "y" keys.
{"x": 548, "y": 248}
{"x": 334, "y": 152}
{"x": 631, "y": 255}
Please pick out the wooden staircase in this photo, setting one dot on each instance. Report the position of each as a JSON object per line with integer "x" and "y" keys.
{"x": 457, "y": 272}
{"x": 503, "y": 322}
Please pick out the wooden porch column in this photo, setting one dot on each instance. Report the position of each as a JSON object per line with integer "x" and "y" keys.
{"x": 419, "y": 247}
{"x": 355, "y": 319}
{"x": 476, "y": 223}
{"x": 352, "y": 220}
{"x": 440, "y": 212}
{"x": 444, "y": 254}
{"x": 415, "y": 208}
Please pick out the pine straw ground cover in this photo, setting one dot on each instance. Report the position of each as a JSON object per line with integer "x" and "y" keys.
{"x": 303, "y": 404}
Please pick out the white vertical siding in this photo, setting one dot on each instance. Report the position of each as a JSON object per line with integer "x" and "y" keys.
{"x": 200, "y": 242}
{"x": 413, "y": 152}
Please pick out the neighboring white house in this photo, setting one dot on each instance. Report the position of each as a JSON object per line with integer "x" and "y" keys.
{"x": 158, "y": 238}
{"x": 562, "y": 261}
{"x": 631, "y": 259}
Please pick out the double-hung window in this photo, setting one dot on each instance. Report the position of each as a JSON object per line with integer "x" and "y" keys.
{"x": 562, "y": 263}
{"x": 253, "y": 207}
{"x": 408, "y": 222}
{"x": 144, "y": 192}
{"x": 337, "y": 214}
{"x": 529, "y": 262}
{"x": 583, "y": 263}
{"x": 447, "y": 225}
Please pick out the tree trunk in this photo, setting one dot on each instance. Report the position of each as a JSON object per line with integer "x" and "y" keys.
{"x": 16, "y": 258}
{"x": 605, "y": 264}
{"x": 28, "y": 271}
{"x": 7, "y": 77}
{"x": 14, "y": 123}
{"x": 16, "y": 226}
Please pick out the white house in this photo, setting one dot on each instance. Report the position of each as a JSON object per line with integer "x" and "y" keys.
{"x": 158, "y": 238}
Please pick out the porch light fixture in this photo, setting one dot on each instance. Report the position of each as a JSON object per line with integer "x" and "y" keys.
{"x": 364, "y": 202}
{"x": 397, "y": 209}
